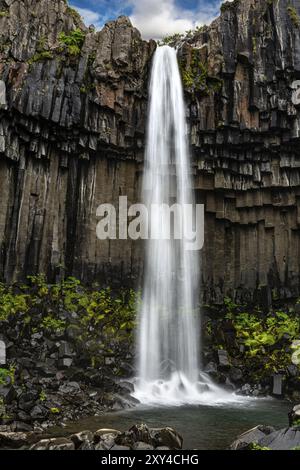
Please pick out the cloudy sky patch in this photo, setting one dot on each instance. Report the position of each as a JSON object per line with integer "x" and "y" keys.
{"x": 154, "y": 18}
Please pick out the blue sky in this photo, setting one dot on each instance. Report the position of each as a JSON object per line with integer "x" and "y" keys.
{"x": 154, "y": 18}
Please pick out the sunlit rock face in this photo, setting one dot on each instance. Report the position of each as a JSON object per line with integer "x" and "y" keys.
{"x": 72, "y": 135}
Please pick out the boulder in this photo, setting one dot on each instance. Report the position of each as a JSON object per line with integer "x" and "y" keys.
{"x": 166, "y": 437}
{"x": 284, "y": 439}
{"x": 82, "y": 439}
{"x": 13, "y": 440}
{"x": 253, "y": 436}
{"x": 54, "y": 444}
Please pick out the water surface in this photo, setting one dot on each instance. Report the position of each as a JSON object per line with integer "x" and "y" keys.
{"x": 202, "y": 427}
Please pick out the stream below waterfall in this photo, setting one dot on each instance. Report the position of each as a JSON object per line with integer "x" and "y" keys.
{"x": 202, "y": 427}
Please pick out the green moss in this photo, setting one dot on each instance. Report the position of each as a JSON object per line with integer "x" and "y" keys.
{"x": 4, "y": 14}
{"x": 51, "y": 323}
{"x": 7, "y": 375}
{"x": 41, "y": 56}
{"x": 293, "y": 16}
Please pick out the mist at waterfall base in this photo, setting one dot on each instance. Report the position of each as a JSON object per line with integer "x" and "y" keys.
{"x": 169, "y": 331}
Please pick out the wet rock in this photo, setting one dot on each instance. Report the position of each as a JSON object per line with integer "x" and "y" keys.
{"x": 223, "y": 359}
{"x": 294, "y": 416}
{"x": 284, "y": 439}
{"x": 82, "y": 438}
{"x": 106, "y": 442}
{"x": 13, "y": 440}
{"x": 236, "y": 375}
{"x": 54, "y": 444}
{"x": 252, "y": 436}
{"x": 166, "y": 437}
{"x": 141, "y": 446}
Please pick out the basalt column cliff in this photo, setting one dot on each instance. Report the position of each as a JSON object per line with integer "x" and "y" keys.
{"x": 73, "y": 109}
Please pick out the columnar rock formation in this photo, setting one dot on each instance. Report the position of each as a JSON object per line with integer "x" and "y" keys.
{"x": 73, "y": 110}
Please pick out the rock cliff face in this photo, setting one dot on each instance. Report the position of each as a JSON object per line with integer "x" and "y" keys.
{"x": 73, "y": 108}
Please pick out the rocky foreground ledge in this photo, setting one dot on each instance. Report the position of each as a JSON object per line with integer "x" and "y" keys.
{"x": 267, "y": 438}
{"x": 139, "y": 437}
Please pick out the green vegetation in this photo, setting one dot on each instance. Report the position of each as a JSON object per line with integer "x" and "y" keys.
{"x": 41, "y": 56}
{"x": 265, "y": 343}
{"x": 54, "y": 411}
{"x": 43, "y": 396}
{"x": 10, "y": 303}
{"x": 100, "y": 320}
{"x": 294, "y": 16}
{"x": 73, "y": 41}
{"x": 255, "y": 446}
{"x": 7, "y": 375}
{"x": 171, "y": 40}
{"x": 4, "y": 14}
{"x": 195, "y": 76}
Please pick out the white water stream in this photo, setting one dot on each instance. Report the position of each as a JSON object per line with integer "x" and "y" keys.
{"x": 168, "y": 348}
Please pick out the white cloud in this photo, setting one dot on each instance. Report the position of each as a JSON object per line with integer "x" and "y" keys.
{"x": 90, "y": 17}
{"x": 158, "y": 18}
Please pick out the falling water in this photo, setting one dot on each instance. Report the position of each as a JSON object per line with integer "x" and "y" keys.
{"x": 169, "y": 333}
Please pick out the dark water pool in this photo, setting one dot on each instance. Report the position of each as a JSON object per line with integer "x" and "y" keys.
{"x": 202, "y": 427}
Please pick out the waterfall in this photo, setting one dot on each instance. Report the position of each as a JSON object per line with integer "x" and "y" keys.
{"x": 169, "y": 332}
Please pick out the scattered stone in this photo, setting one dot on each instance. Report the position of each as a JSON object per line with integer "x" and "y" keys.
{"x": 38, "y": 412}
